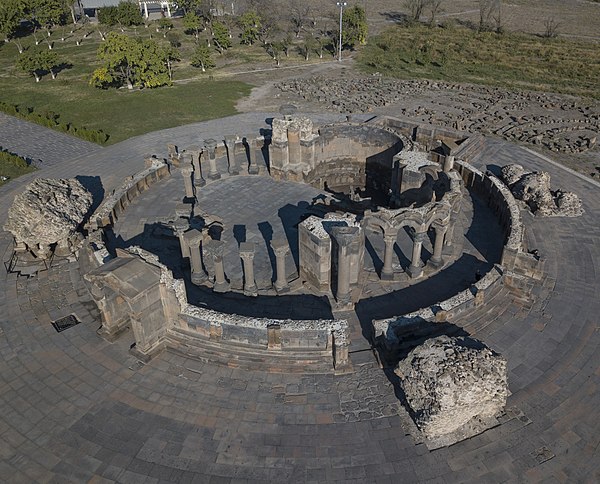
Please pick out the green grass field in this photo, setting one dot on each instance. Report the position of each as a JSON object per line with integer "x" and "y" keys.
{"x": 517, "y": 61}
{"x": 12, "y": 167}
{"x": 120, "y": 113}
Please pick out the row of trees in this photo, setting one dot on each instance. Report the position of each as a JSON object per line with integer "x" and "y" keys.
{"x": 43, "y": 14}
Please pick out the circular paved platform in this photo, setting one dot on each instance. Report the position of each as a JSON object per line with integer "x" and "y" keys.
{"x": 75, "y": 408}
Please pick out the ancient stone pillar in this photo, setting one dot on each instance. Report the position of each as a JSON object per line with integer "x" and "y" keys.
{"x": 231, "y": 161}
{"x": 387, "y": 273}
{"x": 173, "y": 154}
{"x": 186, "y": 172}
{"x": 211, "y": 146}
{"x": 214, "y": 249}
{"x": 274, "y": 336}
{"x": 253, "y": 151}
{"x": 294, "y": 144}
{"x": 193, "y": 239}
{"x": 247, "y": 250}
{"x": 440, "y": 234}
{"x": 416, "y": 269}
{"x": 280, "y": 248}
{"x": 179, "y": 227}
{"x": 448, "y": 163}
{"x": 344, "y": 236}
{"x": 195, "y": 154}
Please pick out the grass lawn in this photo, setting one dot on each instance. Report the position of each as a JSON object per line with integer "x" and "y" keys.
{"x": 120, "y": 113}
{"x": 517, "y": 61}
{"x": 12, "y": 167}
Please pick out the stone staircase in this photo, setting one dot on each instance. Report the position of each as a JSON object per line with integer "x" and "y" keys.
{"x": 249, "y": 357}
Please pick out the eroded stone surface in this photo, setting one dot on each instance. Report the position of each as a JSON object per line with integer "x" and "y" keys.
{"x": 534, "y": 189}
{"x": 450, "y": 383}
{"x": 47, "y": 212}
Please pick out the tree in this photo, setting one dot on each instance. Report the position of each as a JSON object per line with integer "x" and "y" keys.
{"x": 202, "y": 57}
{"x": 415, "y": 8}
{"x": 251, "y": 24}
{"x": 189, "y": 6}
{"x": 221, "y": 36}
{"x": 128, "y": 14}
{"x": 490, "y": 14}
{"x": 131, "y": 61}
{"x": 299, "y": 15}
{"x": 307, "y": 45}
{"x": 11, "y": 13}
{"x": 354, "y": 22}
{"x": 48, "y": 13}
{"x": 193, "y": 23}
{"x": 171, "y": 55}
{"x": 37, "y": 62}
{"x": 434, "y": 7}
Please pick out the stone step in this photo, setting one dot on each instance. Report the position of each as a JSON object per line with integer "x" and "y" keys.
{"x": 476, "y": 319}
{"x": 252, "y": 357}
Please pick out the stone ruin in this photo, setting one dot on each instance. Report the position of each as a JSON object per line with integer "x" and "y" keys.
{"x": 533, "y": 188}
{"x": 454, "y": 388}
{"x": 44, "y": 219}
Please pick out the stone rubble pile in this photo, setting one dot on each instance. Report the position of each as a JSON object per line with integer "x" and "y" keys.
{"x": 555, "y": 122}
{"x": 534, "y": 189}
{"x": 449, "y": 383}
{"x": 48, "y": 212}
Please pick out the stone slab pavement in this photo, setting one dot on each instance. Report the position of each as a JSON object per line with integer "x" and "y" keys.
{"x": 74, "y": 408}
{"x": 43, "y": 146}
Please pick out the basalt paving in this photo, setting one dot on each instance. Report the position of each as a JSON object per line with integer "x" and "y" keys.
{"x": 75, "y": 408}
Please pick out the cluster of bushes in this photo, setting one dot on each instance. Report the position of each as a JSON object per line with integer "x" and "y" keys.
{"x": 50, "y": 119}
{"x": 125, "y": 14}
{"x": 7, "y": 158}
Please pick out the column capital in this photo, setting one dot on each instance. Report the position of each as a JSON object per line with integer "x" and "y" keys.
{"x": 187, "y": 170}
{"x": 280, "y": 247}
{"x": 230, "y": 139}
{"x": 345, "y": 235}
{"x": 193, "y": 237}
{"x": 214, "y": 248}
{"x": 211, "y": 145}
{"x": 247, "y": 250}
{"x": 389, "y": 238}
{"x": 419, "y": 237}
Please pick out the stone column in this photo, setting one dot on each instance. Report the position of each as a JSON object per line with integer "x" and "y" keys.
{"x": 294, "y": 144}
{"x": 344, "y": 237}
{"x": 193, "y": 239}
{"x": 448, "y": 163}
{"x": 440, "y": 234}
{"x": 232, "y": 163}
{"x": 387, "y": 273}
{"x": 179, "y": 227}
{"x": 280, "y": 248}
{"x": 247, "y": 250}
{"x": 186, "y": 172}
{"x": 253, "y": 169}
{"x": 415, "y": 269}
{"x": 195, "y": 154}
{"x": 211, "y": 146}
{"x": 214, "y": 249}
{"x": 173, "y": 154}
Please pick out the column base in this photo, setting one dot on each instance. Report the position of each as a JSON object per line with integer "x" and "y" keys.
{"x": 146, "y": 356}
{"x": 435, "y": 262}
{"x": 251, "y": 291}
{"x": 221, "y": 287}
{"x": 283, "y": 289}
{"x": 414, "y": 271}
{"x": 253, "y": 170}
{"x": 387, "y": 276}
{"x": 214, "y": 176}
{"x": 199, "y": 182}
{"x": 234, "y": 171}
{"x": 199, "y": 278}
{"x": 344, "y": 302}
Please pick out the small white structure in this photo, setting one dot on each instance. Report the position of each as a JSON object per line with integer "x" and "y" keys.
{"x": 164, "y": 6}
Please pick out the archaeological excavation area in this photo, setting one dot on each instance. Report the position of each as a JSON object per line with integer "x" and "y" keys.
{"x": 301, "y": 297}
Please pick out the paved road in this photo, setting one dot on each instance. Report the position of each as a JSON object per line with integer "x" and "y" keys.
{"x": 74, "y": 408}
{"x": 43, "y": 146}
